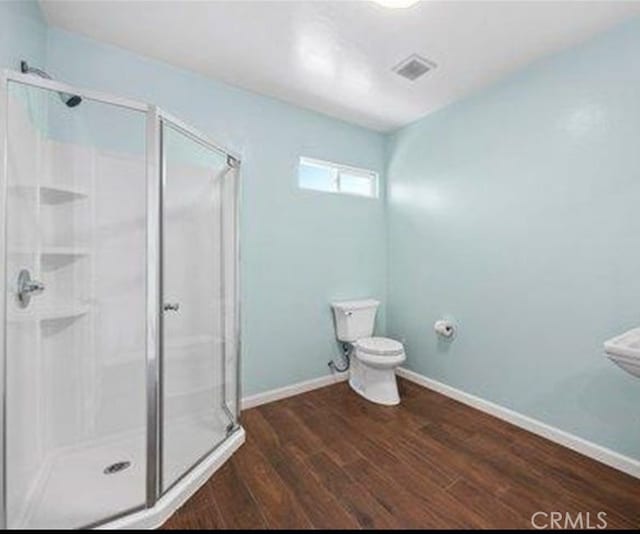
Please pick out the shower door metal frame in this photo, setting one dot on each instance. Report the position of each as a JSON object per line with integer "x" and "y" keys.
{"x": 154, "y": 304}
{"x": 153, "y": 352}
{"x": 4, "y": 107}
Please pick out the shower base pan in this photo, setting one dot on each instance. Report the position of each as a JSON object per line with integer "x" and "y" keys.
{"x": 81, "y": 483}
{"x": 152, "y": 518}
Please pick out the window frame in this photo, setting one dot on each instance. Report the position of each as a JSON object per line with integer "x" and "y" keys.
{"x": 337, "y": 170}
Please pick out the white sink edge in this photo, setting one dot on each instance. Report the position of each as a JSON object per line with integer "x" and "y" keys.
{"x": 631, "y": 360}
{"x": 619, "y": 346}
{"x": 629, "y": 365}
{"x": 622, "y": 352}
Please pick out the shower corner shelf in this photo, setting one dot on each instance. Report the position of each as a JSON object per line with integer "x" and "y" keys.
{"x": 53, "y": 251}
{"x": 54, "y": 313}
{"x": 55, "y": 194}
{"x": 65, "y": 251}
{"x": 63, "y": 312}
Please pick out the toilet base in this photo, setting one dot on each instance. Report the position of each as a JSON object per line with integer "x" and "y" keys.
{"x": 375, "y": 385}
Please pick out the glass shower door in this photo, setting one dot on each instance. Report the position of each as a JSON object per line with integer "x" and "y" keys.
{"x": 195, "y": 418}
{"x": 75, "y": 406}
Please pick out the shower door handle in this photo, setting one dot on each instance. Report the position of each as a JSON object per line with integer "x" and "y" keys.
{"x": 171, "y": 306}
{"x": 27, "y": 288}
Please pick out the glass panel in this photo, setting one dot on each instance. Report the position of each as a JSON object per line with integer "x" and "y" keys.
{"x": 75, "y": 354}
{"x": 194, "y": 419}
{"x": 312, "y": 175}
{"x": 357, "y": 184}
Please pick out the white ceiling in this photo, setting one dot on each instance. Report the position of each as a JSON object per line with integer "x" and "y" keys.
{"x": 336, "y": 57}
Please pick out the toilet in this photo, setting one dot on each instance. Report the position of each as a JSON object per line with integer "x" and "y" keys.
{"x": 373, "y": 359}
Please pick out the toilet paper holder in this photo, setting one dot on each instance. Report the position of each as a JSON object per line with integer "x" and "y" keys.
{"x": 445, "y": 328}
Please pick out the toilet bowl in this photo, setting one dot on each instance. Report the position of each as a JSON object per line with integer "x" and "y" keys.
{"x": 373, "y": 369}
{"x": 373, "y": 359}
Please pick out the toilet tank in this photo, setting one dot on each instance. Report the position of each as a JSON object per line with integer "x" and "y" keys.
{"x": 354, "y": 319}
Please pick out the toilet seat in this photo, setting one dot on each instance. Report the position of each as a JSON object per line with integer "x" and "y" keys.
{"x": 381, "y": 362}
{"x": 380, "y": 352}
{"x": 379, "y": 346}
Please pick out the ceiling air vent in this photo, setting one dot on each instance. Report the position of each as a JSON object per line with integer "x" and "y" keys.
{"x": 413, "y": 67}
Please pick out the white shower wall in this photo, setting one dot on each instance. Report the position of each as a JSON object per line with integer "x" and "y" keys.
{"x": 77, "y": 352}
{"x": 104, "y": 395}
{"x": 119, "y": 285}
{"x": 24, "y": 162}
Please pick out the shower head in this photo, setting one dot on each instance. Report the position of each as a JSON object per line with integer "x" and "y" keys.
{"x": 68, "y": 99}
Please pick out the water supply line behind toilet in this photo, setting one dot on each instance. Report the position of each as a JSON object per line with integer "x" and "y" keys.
{"x": 347, "y": 349}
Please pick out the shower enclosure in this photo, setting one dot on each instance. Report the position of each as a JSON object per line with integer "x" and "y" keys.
{"x": 119, "y": 323}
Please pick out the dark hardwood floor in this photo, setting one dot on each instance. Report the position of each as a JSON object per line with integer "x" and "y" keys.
{"x": 330, "y": 459}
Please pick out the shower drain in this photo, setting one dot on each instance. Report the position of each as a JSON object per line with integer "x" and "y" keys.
{"x": 116, "y": 468}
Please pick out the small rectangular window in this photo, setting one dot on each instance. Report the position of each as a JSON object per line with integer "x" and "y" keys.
{"x": 333, "y": 178}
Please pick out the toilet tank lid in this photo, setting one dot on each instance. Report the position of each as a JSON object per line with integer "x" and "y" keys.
{"x": 346, "y": 305}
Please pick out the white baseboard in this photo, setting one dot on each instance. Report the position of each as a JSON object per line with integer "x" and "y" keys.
{"x": 294, "y": 389}
{"x": 601, "y": 454}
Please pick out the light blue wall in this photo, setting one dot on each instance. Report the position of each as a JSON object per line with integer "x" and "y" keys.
{"x": 23, "y": 33}
{"x": 517, "y": 211}
{"x": 300, "y": 249}
{"x": 514, "y": 211}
